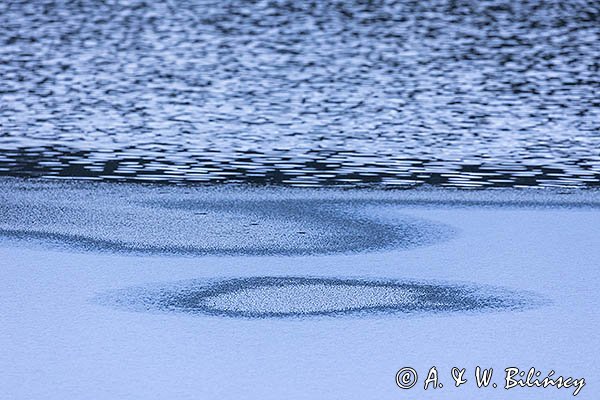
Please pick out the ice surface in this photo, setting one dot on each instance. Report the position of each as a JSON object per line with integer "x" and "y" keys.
{"x": 196, "y": 221}
{"x": 59, "y": 342}
{"x": 306, "y": 299}
{"x": 278, "y": 297}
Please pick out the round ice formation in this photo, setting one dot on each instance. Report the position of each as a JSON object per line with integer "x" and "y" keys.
{"x": 307, "y": 298}
{"x": 264, "y": 297}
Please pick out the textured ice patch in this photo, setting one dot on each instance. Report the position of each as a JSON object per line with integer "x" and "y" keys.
{"x": 308, "y": 298}
{"x": 200, "y": 221}
{"x": 264, "y": 297}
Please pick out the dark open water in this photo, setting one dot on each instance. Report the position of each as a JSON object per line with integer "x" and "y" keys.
{"x": 460, "y": 93}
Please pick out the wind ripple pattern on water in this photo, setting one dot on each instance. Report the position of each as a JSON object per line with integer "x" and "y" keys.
{"x": 459, "y": 93}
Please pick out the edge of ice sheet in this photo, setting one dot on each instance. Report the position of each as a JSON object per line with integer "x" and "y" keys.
{"x": 536, "y": 197}
{"x": 184, "y": 221}
{"x": 240, "y": 220}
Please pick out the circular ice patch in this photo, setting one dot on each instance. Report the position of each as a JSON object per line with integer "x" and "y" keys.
{"x": 307, "y": 298}
{"x": 263, "y": 297}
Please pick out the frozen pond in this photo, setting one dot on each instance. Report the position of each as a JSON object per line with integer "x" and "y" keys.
{"x": 194, "y": 203}
{"x": 496, "y": 279}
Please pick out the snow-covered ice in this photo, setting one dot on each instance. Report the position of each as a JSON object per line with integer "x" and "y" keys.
{"x": 59, "y": 341}
{"x": 272, "y": 297}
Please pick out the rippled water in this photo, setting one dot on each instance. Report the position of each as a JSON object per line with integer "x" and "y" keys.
{"x": 460, "y": 93}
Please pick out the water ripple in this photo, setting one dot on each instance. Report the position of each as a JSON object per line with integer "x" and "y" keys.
{"x": 456, "y": 93}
